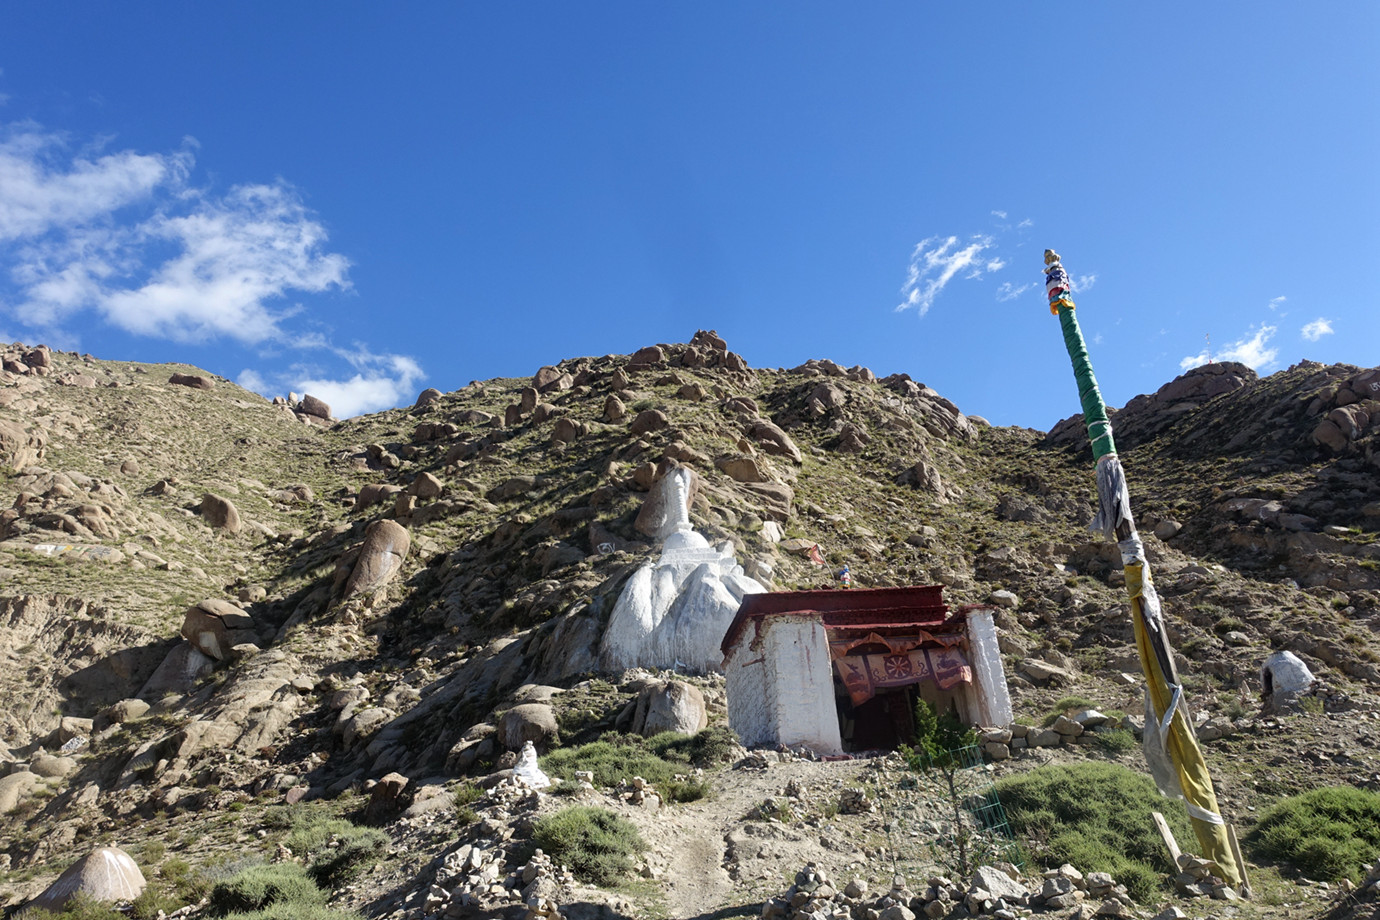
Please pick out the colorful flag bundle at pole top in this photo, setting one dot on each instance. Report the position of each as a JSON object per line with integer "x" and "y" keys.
{"x": 1171, "y": 745}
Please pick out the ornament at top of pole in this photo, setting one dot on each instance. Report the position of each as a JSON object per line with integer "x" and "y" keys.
{"x": 1057, "y": 284}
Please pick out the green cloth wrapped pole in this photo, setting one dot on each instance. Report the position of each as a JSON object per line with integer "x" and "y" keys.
{"x": 1171, "y": 745}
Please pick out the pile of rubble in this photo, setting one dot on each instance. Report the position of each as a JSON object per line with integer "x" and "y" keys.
{"x": 998, "y": 892}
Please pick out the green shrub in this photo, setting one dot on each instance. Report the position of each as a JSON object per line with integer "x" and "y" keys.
{"x": 467, "y": 794}
{"x": 596, "y": 844}
{"x": 80, "y": 907}
{"x": 258, "y": 887}
{"x": 294, "y": 912}
{"x": 1095, "y": 816}
{"x": 1116, "y": 741}
{"x": 188, "y": 885}
{"x": 658, "y": 760}
{"x": 335, "y": 848}
{"x": 1330, "y": 833}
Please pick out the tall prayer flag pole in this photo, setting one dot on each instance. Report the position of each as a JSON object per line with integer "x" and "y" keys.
{"x": 1171, "y": 745}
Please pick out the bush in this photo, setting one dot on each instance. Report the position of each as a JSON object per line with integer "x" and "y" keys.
{"x": 354, "y": 846}
{"x": 1330, "y": 833}
{"x": 294, "y": 912}
{"x": 188, "y": 885}
{"x": 596, "y": 844}
{"x": 1095, "y": 816}
{"x": 1116, "y": 741}
{"x": 658, "y": 760}
{"x": 258, "y": 887}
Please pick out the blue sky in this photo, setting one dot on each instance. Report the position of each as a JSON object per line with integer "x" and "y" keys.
{"x": 361, "y": 200}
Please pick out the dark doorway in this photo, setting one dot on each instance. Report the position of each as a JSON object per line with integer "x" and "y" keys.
{"x": 883, "y": 723}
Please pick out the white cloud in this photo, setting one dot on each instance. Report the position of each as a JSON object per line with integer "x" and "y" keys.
{"x": 99, "y": 238}
{"x": 1316, "y": 329}
{"x": 379, "y": 382}
{"x": 1250, "y": 351}
{"x": 43, "y": 187}
{"x": 251, "y": 379}
{"x": 1008, "y": 291}
{"x": 1000, "y": 215}
{"x": 383, "y": 381}
{"x": 933, "y": 265}
{"x": 995, "y": 265}
{"x": 1025, "y": 224}
{"x": 1276, "y": 301}
{"x": 235, "y": 256}
{"x": 188, "y": 266}
{"x": 1082, "y": 283}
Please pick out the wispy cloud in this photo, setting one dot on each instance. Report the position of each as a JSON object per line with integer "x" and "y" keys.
{"x": 94, "y": 235}
{"x": 379, "y": 382}
{"x": 933, "y": 264}
{"x": 1315, "y": 330}
{"x": 938, "y": 260}
{"x": 1277, "y": 302}
{"x": 1082, "y": 283}
{"x": 126, "y": 236}
{"x": 1008, "y": 291}
{"x": 1251, "y": 351}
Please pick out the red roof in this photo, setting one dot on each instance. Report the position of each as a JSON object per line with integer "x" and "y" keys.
{"x": 852, "y": 608}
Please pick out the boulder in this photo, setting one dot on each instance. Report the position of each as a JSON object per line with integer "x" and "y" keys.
{"x": 49, "y": 766}
{"x": 427, "y": 397}
{"x": 773, "y": 439}
{"x": 364, "y": 723}
{"x": 17, "y": 787}
{"x": 374, "y": 493}
{"x": 195, "y": 381}
{"x": 119, "y": 713}
{"x": 567, "y": 430}
{"x": 387, "y": 799}
{"x": 668, "y": 503}
{"x": 649, "y": 420}
{"x": 614, "y": 410}
{"x": 184, "y": 666}
{"x": 19, "y": 447}
{"x": 998, "y": 884}
{"x": 216, "y": 626}
{"x": 312, "y": 406}
{"x": 669, "y": 706}
{"x": 651, "y": 356}
{"x": 742, "y": 468}
{"x": 385, "y": 547}
{"x": 108, "y": 874}
{"x": 39, "y": 357}
{"x": 220, "y": 513}
{"x": 708, "y": 338}
{"x": 776, "y": 499}
{"x": 1329, "y": 435}
{"x": 426, "y": 486}
{"x": 534, "y": 722}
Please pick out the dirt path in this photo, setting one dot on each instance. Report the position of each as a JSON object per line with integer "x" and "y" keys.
{"x": 693, "y": 844}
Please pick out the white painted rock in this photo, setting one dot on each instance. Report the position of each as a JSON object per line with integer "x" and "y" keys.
{"x": 108, "y": 874}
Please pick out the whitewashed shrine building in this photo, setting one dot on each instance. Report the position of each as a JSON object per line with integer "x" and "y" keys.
{"x": 839, "y": 671}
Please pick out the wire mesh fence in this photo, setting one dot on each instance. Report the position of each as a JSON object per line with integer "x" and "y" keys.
{"x": 948, "y": 815}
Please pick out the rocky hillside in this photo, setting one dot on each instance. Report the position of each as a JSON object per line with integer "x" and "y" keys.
{"x": 212, "y": 605}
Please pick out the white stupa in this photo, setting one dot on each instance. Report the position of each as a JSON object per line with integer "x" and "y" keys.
{"x": 673, "y": 612}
